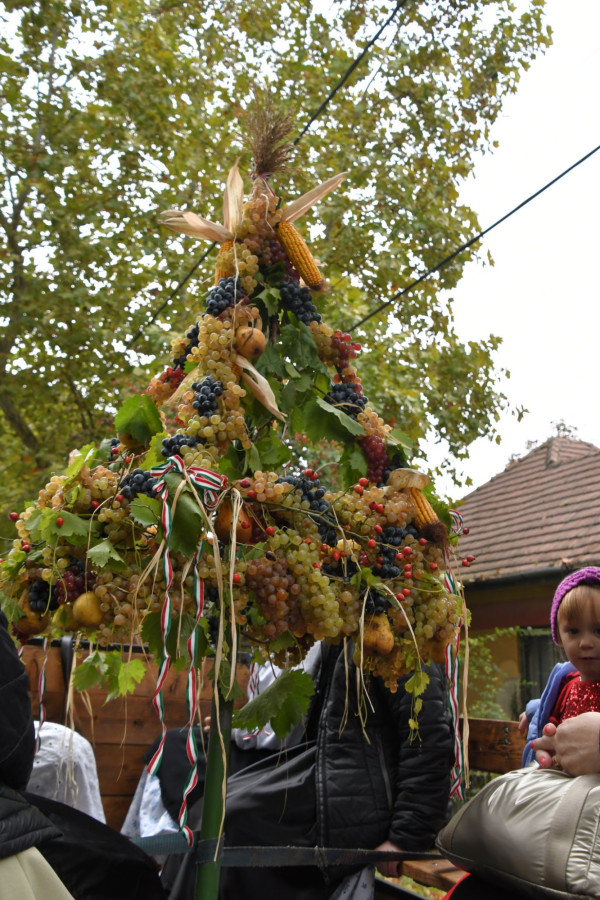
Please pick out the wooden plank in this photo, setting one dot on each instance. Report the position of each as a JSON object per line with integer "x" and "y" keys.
{"x": 115, "y": 810}
{"x": 494, "y": 746}
{"x": 440, "y": 874}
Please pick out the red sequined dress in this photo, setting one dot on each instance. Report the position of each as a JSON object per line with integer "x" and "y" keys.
{"x": 575, "y": 697}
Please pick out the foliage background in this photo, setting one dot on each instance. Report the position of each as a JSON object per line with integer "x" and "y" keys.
{"x": 112, "y": 112}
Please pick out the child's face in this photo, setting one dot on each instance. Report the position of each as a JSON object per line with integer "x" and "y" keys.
{"x": 580, "y": 637}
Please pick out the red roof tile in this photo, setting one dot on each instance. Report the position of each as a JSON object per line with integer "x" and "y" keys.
{"x": 542, "y": 512}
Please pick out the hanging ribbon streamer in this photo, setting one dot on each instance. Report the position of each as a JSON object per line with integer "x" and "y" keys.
{"x": 41, "y": 694}
{"x": 210, "y": 484}
{"x": 457, "y": 521}
{"x": 452, "y": 666}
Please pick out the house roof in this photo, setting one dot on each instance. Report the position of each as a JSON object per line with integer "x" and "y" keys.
{"x": 541, "y": 513}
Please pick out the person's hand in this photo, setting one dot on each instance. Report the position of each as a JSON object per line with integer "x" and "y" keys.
{"x": 574, "y": 746}
{"x": 206, "y": 724}
{"x": 391, "y": 868}
{"x": 523, "y": 724}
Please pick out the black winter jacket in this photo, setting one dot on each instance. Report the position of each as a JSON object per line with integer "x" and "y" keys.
{"x": 378, "y": 784}
{"x": 21, "y": 825}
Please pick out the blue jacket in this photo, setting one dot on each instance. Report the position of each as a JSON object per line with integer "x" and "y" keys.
{"x": 538, "y": 711}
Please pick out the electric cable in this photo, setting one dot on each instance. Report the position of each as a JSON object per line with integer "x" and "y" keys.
{"x": 471, "y": 241}
{"x": 399, "y": 5}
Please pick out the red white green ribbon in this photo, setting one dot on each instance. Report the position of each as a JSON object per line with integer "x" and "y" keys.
{"x": 210, "y": 484}
{"x": 457, "y": 521}
{"x": 452, "y": 674}
{"x": 41, "y": 694}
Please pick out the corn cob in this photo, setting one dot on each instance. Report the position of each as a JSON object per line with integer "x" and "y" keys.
{"x": 426, "y": 518}
{"x": 299, "y": 255}
{"x": 425, "y": 513}
{"x": 223, "y": 269}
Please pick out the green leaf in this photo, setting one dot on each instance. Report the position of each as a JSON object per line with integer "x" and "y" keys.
{"x": 233, "y": 464}
{"x": 282, "y": 704}
{"x": 86, "y": 457}
{"x": 271, "y": 299}
{"x": 154, "y": 456}
{"x": 152, "y": 635}
{"x": 145, "y": 510}
{"x": 130, "y": 673}
{"x": 299, "y": 345}
{"x": 324, "y": 422}
{"x": 417, "y": 683}
{"x": 353, "y": 464}
{"x": 10, "y": 607}
{"x": 140, "y": 418}
{"x": 188, "y": 522}
{"x": 101, "y": 553}
{"x": 272, "y": 451}
{"x": 253, "y": 460}
{"x": 74, "y": 528}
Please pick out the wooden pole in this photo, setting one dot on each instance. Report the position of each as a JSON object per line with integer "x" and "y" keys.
{"x": 217, "y": 763}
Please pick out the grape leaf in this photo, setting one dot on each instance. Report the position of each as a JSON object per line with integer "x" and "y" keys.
{"x": 145, "y": 510}
{"x": 298, "y": 343}
{"x": 282, "y": 703}
{"x": 188, "y": 521}
{"x": 324, "y": 422}
{"x": 253, "y": 460}
{"x": 140, "y": 418}
{"x": 152, "y": 635}
{"x": 129, "y": 674}
{"x": 100, "y": 554}
{"x": 273, "y": 452}
{"x": 417, "y": 683}
{"x": 154, "y": 456}
{"x": 73, "y": 527}
{"x": 10, "y": 607}
{"x": 85, "y": 457}
{"x": 353, "y": 464}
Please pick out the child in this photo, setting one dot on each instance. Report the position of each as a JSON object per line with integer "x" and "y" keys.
{"x": 574, "y": 686}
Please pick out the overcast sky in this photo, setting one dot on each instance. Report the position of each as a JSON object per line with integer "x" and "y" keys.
{"x": 542, "y": 295}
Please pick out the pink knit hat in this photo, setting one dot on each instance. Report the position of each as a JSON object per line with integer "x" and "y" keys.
{"x": 589, "y": 575}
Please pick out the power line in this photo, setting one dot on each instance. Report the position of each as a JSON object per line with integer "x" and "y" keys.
{"x": 324, "y": 104}
{"x": 349, "y": 71}
{"x": 472, "y": 241}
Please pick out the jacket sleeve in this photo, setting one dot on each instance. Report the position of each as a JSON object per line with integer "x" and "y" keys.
{"x": 17, "y": 736}
{"x": 424, "y": 763}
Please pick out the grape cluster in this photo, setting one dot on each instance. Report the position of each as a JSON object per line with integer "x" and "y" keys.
{"x": 138, "y": 482}
{"x": 42, "y": 596}
{"x": 348, "y": 398}
{"x": 311, "y": 492}
{"x": 375, "y": 603}
{"x": 227, "y": 293}
{"x": 391, "y": 538}
{"x": 206, "y": 393}
{"x": 192, "y": 341}
{"x": 172, "y": 446}
{"x": 298, "y": 300}
{"x": 373, "y": 446}
{"x": 74, "y": 581}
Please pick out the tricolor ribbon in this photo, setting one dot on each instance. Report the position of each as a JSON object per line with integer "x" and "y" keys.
{"x": 457, "y": 521}
{"x": 210, "y": 484}
{"x": 41, "y": 694}
{"x": 453, "y": 675}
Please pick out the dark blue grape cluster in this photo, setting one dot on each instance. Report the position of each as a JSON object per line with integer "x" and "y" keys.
{"x": 346, "y": 397}
{"x": 206, "y": 393}
{"x": 42, "y": 596}
{"x": 398, "y": 461}
{"x": 172, "y": 445}
{"x": 192, "y": 336}
{"x": 310, "y": 489}
{"x": 114, "y": 447}
{"x": 228, "y": 292}
{"x": 298, "y": 300}
{"x": 389, "y": 540}
{"x": 375, "y": 603}
{"x": 138, "y": 482}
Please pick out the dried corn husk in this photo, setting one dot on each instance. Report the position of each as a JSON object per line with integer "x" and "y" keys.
{"x": 259, "y": 386}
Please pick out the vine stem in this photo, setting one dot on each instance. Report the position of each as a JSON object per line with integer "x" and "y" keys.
{"x": 217, "y": 763}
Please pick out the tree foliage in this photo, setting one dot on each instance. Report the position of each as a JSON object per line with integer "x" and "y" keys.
{"x": 112, "y": 112}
